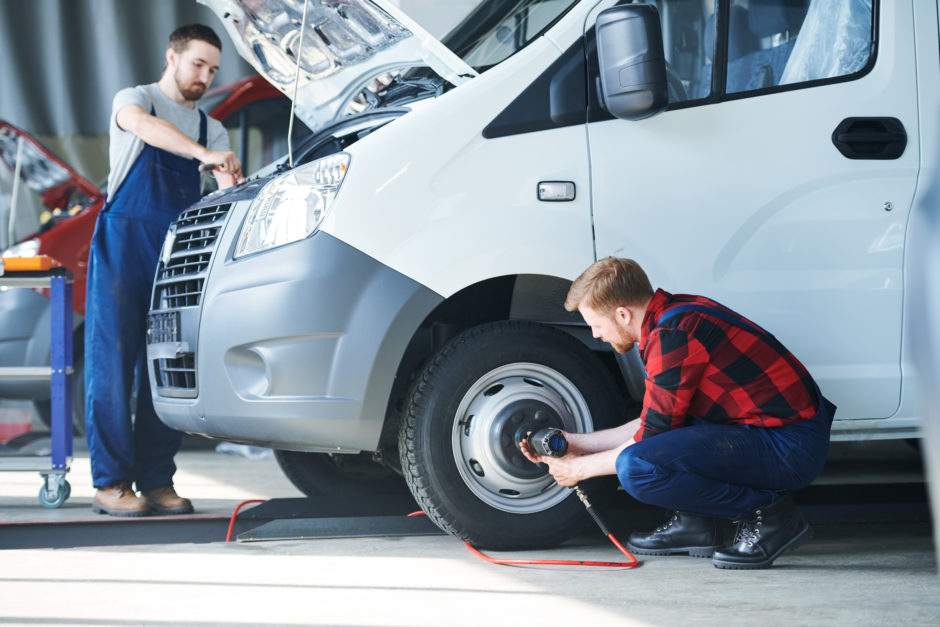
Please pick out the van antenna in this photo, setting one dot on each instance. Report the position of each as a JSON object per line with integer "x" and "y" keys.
{"x": 293, "y": 100}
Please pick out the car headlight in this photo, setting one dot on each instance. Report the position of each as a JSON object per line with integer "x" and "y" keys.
{"x": 292, "y": 206}
{"x": 28, "y": 248}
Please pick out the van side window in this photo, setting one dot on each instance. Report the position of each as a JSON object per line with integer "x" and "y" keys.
{"x": 689, "y": 43}
{"x": 782, "y": 42}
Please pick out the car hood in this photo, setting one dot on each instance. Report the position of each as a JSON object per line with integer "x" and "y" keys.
{"x": 346, "y": 45}
{"x": 43, "y": 172}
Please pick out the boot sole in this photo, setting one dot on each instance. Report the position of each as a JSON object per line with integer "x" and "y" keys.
{"x": 798, "y": 540}
{"x": 692, "y": 551}
{"x": 171, "y": 511}
{"x": 101, "y": 509}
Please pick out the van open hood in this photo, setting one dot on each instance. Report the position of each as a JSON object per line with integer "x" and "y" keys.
{"x": 346, "y": 44}
{"x": 56, "y": 183}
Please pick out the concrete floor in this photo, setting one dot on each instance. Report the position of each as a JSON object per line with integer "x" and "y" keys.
{"x": 215, "y": 482}
{"x": 858, "y": 574}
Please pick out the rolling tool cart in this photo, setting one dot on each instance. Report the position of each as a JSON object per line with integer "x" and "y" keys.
{"x": 45, "y": 272}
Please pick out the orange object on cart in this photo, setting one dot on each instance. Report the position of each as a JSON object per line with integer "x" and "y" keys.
{"x": 39, "y": 263}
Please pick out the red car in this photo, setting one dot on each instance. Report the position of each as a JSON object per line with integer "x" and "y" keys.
{"x": 254, "y": 112}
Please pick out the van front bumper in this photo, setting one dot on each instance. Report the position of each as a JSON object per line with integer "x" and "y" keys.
{"x": 296, "y": 348}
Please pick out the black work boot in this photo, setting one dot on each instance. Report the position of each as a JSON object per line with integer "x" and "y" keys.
{"x": 681, "y": 533}
{"x": 761, "y": 538}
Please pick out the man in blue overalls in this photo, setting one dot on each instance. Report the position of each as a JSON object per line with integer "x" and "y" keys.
{"x": 158, "y": 140}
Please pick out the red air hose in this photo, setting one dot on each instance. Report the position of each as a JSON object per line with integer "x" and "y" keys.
{"x": 633, "y": 563}
{"x": 231, "y": 522}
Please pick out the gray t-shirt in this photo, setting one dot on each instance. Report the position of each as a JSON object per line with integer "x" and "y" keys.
{"x": 126, "y": 147}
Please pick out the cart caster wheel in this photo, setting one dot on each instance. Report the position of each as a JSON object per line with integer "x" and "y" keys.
{"x": 54, "y": 498}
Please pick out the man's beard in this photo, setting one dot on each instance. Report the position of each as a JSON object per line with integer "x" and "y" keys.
{"x": 622, "y": 343}
{"x": 621, "y": 348}
{"x": 191, "y": 92}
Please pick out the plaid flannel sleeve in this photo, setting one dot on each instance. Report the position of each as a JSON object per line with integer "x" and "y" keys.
{"x": 675, "y": 364}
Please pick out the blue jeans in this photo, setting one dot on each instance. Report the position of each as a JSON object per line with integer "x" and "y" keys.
{"x": 725, "y": 471}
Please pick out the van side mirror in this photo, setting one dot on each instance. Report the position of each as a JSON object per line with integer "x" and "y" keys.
{"x": 632, "y": 61}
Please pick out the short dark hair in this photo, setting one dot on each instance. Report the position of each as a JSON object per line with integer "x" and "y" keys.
{"x": 610, "y": 283}
{"x": 185, "y": 34}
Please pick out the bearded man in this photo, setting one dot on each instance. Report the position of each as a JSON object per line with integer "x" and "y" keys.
{"x": 158, "y": 139}
{"x": 732, "y": 422}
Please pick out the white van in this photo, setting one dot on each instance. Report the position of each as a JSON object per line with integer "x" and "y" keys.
{"x": 395, "y": 297}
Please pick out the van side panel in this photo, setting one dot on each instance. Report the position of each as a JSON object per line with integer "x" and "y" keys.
{"x": 434, "y": 199}
{"x": 749, "y": 202}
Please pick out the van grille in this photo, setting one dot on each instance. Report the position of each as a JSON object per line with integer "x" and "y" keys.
{"x": 179, "y": 283}
{"x": 181, "y": 278}
{"x": 179, "y": 373}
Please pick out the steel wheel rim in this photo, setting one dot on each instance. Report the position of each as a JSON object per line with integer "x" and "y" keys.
{"x": 486, "y": 425}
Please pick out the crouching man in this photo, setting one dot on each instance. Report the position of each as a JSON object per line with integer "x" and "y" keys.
{"x": 731, "y": 421}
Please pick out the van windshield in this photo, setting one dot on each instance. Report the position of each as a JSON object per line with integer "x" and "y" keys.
{"x": 497, "y": 29}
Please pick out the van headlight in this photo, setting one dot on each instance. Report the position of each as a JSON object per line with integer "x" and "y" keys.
{"x": 292, "y": 206}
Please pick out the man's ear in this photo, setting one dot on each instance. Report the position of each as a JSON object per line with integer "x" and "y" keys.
{"x": 623, "y": 315}
{"x": 170, "y": 57}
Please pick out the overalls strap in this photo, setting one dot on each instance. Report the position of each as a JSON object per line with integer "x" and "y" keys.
{"x": 737, "y": 321}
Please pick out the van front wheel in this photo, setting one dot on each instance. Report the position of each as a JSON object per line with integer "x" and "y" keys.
{"x": 467, "y": 411}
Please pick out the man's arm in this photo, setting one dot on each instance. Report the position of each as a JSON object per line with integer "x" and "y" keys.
{"x": 604, "y": 440}
{"x": 161, "y": 134}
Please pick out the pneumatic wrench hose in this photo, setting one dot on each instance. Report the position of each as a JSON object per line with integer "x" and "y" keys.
{"x": 552, "y": 443}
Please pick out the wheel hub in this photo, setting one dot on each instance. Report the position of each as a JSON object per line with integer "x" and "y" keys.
{"x": 495, "y": 413}
{"x": 511, "y": 424}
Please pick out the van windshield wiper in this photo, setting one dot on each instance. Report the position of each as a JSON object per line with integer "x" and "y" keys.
{"x": 402, "y": 90}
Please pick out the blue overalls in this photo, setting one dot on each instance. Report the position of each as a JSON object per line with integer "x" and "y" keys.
{"x": 128, "y": 237}
{"x": 720, "y": 470}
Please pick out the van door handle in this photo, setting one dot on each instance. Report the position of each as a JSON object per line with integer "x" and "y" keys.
{"x": 870, "y": 138}
{"x": 556, "y": 191}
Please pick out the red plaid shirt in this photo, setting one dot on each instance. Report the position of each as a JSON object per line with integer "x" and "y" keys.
{"x": 701, "y": 366}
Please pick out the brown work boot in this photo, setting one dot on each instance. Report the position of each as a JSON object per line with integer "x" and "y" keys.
{"x": 164, "y": 500}
{"x": 119, "y": 500}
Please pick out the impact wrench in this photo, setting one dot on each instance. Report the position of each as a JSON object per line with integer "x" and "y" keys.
{"x": 552, "y": 443}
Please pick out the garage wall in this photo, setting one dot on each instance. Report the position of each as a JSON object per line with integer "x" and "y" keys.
{"x": 62, "y": 61}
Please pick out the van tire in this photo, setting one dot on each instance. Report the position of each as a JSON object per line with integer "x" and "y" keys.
{"x": 462, "y": 419}
{"x": 322, "y": 474}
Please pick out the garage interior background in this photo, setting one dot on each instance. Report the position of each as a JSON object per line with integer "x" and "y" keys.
{"x": 62, "y": 61}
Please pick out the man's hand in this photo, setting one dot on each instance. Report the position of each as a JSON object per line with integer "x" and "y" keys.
{"x": 566, "y": 470}
{"x": 223, "y": 160}
{"x": 580, "y": 462}
{"x": 226, "y": 167}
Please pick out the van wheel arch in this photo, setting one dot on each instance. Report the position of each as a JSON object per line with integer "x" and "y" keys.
{"x": 519, "y": 297}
